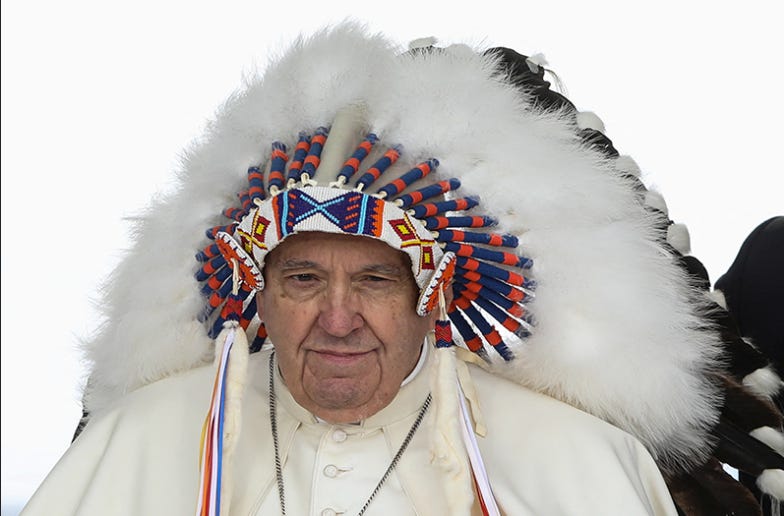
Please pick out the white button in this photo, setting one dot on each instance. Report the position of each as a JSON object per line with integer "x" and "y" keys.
{"x": 329, "y": 512}
{"x": 331, "y": 471}
{"x": 339, "y": 436}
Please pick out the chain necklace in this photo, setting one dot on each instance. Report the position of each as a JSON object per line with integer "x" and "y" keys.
{"x": 279, "y": 468}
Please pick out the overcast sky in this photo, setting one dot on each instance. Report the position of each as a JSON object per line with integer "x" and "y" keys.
{"x": 99, "y": 97}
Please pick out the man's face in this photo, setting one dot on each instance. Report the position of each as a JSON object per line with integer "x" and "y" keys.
{"x": 340, "y": 311}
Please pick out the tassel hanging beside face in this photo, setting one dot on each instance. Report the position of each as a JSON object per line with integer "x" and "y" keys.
{"x": 211, "y": 459}
{"x": 464, "y": 469}
{"x": 481, "y": 480}
{"x": 223, "y": 422}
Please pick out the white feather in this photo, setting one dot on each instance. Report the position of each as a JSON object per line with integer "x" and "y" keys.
{"x": 536, "y": 61}
{"x": 655, "y": 200}
{"x": 717, "y": 296}
{"x": 771, "y": 482}
{"x": 626, "y": 164}
{"x": 678, "y": 238}
{"x": 422, "y": 42}
{"x": 764, "y": 382}
{"x": 770, "y": 436}
{"x": 589, "y": 120}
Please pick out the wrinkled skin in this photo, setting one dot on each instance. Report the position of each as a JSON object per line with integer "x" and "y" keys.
{"x": 340, "y": 310}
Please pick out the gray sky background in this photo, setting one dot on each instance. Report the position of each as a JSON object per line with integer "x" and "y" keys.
{"x": 99, "y": 97}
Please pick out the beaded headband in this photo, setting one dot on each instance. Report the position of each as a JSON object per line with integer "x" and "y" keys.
{"x": 446, "y": 245}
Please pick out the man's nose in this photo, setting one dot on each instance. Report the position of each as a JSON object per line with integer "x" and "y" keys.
{"x": 339, "y": 313}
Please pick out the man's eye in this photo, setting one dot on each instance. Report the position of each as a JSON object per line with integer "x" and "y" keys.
{"x": 376, "y": 279}
{"x": 302, "y": 277}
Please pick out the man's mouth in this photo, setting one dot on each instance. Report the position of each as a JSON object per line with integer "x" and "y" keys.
{"x": 341, "y": 357}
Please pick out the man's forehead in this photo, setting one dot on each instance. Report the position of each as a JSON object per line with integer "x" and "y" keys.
{"x": 310, "y": 246}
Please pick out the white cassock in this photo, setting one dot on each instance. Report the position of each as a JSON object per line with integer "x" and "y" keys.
{"x": 543, "y": 457}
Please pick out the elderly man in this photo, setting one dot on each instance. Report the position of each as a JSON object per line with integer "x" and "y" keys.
{"x": 399, "y": 363}
{"x": 351, "y": 380}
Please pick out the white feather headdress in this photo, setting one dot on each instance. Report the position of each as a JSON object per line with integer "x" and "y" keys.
{"x": 619, "y": 331}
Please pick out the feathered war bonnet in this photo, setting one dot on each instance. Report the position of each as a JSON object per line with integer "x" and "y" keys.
{"x": 562, "y": 275}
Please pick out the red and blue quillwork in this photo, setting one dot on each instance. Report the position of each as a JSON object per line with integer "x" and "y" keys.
{"x": 444, "y": 334}
{"x": 352, "y": 164}
{"x": 300, "y": 153}
{"x": 313, "y": 158}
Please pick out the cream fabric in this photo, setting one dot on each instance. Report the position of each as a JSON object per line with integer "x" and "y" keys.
{"x": 140, "y": 457}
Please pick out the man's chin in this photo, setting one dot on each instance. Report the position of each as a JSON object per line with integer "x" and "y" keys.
{"x": 339, "y": 393}
{"x": 342, "y": 400}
